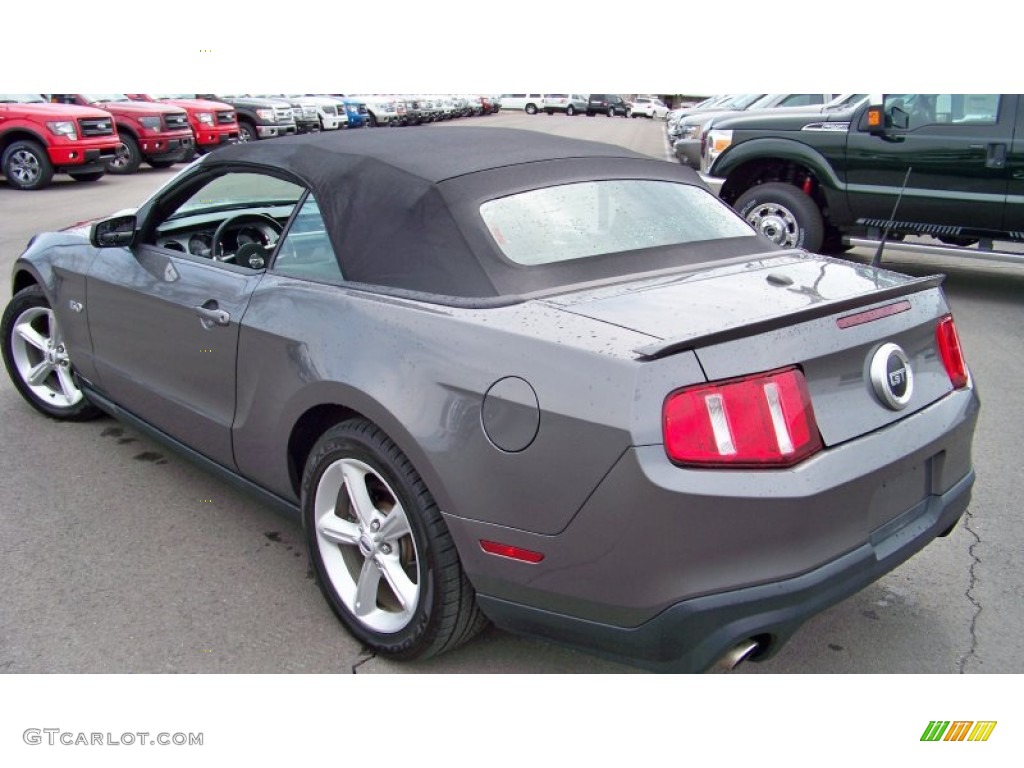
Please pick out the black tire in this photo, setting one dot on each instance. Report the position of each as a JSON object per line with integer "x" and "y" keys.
{"x": 395, "y": 523}
{"x": 531, "y": 109}
{"x": 27, "y": 166}
{"x": 783, "y": 214}
{"x": 247, "y": 132}
{"x": 128, "y": 159}
{"x": 87, "y": 175}
{"x": 570, "y": 110}
{"x": 371, "y": 121}
{"x": 55, "y": 393}
{"x": 611, "y": 111}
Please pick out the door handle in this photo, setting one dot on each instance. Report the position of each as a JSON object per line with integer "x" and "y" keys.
{"x": 211, "y": 316}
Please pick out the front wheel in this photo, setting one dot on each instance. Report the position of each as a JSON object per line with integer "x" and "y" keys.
{"x": 531, "y": 109}
{"x": 26, "y": 165}
{"x": 783, "y": 214}
{"x": 383, "y": 556}
{"x": 570, "y": 110}
{"x": 37, "y": 360}
{"x": 247, "y": 132}
{"x": 128, "y": 157}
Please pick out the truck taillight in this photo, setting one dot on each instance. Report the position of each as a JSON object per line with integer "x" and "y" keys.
{"x": 760, "y": 421}
{"x": 952, "y": 355}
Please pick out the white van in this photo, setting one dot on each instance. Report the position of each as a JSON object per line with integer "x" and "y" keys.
{"x": 529, "y": 102}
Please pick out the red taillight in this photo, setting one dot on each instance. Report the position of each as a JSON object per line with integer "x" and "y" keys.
{"x": 952, "y": 355}
{"x": 764, "y": 420}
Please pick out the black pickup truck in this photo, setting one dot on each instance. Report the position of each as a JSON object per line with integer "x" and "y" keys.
{"x": 949, "y": 166}
{"x": 258, "y": 117}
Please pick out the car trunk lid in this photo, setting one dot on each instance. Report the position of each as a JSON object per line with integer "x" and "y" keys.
{"x": 831, "y": 318}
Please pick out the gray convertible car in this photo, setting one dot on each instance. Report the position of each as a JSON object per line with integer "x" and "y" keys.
{"x": 551, "y": 384}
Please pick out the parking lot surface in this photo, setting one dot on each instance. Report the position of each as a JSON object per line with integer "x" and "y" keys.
{"x": 118, "y": 556}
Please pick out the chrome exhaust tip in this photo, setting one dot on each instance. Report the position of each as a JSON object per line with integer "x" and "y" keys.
{"x": 737, "y": 654}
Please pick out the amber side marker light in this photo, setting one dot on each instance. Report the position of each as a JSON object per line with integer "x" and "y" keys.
{"x": 507, "y": 550}
{"x": 875, "y": 117}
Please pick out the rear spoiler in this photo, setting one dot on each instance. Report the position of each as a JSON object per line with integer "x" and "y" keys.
{"x": 666, "y": 347}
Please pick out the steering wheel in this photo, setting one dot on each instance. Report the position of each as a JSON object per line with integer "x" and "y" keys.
{"x": 231, "y": 222}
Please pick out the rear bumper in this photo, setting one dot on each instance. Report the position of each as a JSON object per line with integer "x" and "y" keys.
{"x": 669, "y": 567}
{"x": 692, "y": 635}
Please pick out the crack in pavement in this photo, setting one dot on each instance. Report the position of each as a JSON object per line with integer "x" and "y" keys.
{"x": 969, "y": 594}
{"x": 365, "y": 656}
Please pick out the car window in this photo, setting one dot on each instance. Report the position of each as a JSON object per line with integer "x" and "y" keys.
{"x": 233, "y": 218}
{"x": 575, "y": 221}
{"x": 946, "y": 108}
{"x": 306, "y": 250}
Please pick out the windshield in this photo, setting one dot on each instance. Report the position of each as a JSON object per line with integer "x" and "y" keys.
{"x": 743, "y": 101}
{"x": 576, "y": 221}
{"x": 21, "y": 98}
{"x": 846, "y": 100}
{"x": 104, "y": 97}
{"x": 240, "y": 190}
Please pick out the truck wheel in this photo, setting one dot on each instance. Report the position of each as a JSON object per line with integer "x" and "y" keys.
{"x": 26, "y": 165}
{"x": 128, "y": 157}
{"x": 246, "y": 132}
{"x": 570, "y": 110}
{"x": 784, "y": 215}
{"x": 531, "y": 109}
{"x": 87, "y": 176}
{"x": 371, "y": 121}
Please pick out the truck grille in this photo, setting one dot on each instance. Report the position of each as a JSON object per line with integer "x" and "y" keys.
{"x": 96, "y": 126}
{"x": 283, "y": 114}
{"x": 225, "y": 117}
{"x": 176, "y": 121}
{"x": 309, "y": 112}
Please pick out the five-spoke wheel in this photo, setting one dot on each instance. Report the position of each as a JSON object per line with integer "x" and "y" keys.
{"x": 37, "y": 358}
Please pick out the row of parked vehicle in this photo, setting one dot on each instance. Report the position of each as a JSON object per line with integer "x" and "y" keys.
{"x": 590, "y": 104}
{"x": 90, "y": 135}
{"x": 688, "y": 129}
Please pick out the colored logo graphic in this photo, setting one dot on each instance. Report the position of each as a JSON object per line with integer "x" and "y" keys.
{"x": 958, "y": 730}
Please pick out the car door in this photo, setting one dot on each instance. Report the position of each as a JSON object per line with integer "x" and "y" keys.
{"x": 164, "y": 314}
{"x": 956, "y": 149}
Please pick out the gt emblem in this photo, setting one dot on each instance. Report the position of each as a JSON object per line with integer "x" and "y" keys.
{"x": 891, "y": 376}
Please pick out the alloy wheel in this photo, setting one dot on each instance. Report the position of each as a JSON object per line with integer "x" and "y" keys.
{"x": 367, "y": 546}
{"x": 41, "y": 359}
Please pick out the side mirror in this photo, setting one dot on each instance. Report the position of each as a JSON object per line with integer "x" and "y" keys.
{"x": 116, "y": 232}
{"x": 883, "y": 119}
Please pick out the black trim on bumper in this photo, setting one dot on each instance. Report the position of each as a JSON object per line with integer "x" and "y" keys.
{"x": 692, "y": 635}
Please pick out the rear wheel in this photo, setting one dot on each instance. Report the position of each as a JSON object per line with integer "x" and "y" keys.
{"x": 783, "y": 214}
{"x": 37, "y": 360}
{"x": 27, "y": 166}
{"x": 383, "y": 556}
{"x": 531, "y": 109}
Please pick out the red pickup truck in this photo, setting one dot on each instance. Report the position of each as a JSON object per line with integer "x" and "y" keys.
{"x": 38, "y": 139}
{"x": 157, "y": 133}
{"x": 213, "y": 122}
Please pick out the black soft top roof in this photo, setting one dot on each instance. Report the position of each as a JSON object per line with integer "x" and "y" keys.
{"x": 402, "y": 205}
